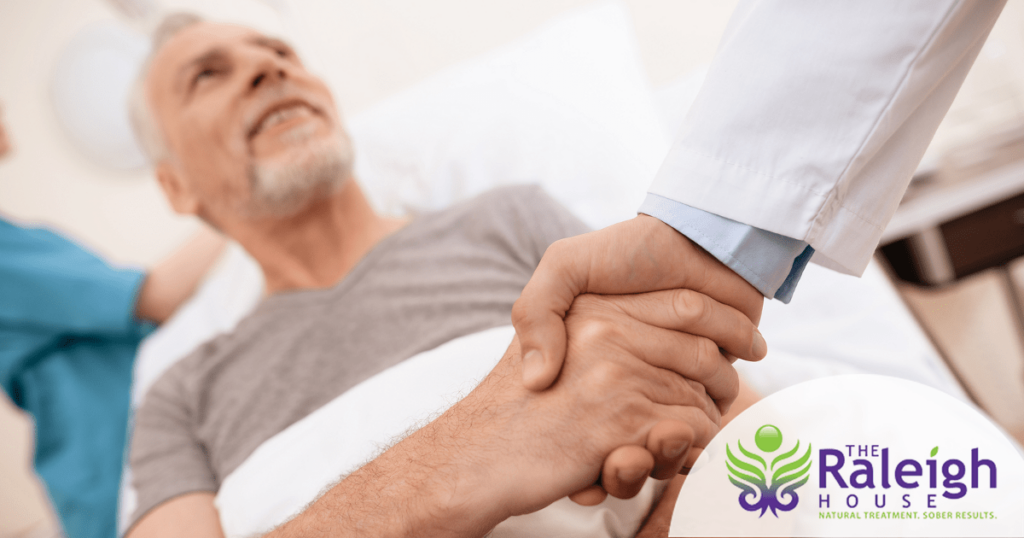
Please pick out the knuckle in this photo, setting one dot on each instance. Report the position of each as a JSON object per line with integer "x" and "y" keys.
{"x": 592, "y": 331}
{"x": 521, "y": 314}
{"x": 602, "y": 378}
{"x": 686, "y": 306}
{"x": 697, "y": 387}
{"x": 557, "y": 250}
{"x": 666, "y": 386}
{"x": 706, "y": 309}
{"x": 604, "y": 373}
{"x": 704, "y": 428}
{"x": 559, "y": 245}
{"x": 633, "y": 417}
{"x": 743, "y": 335}
{"x": 707, "y": 356}
{"x": 631, "y": 410}
{"x": 692, "y": 308}
{"x": 680, "y": 391}
{"x": 732, "y": 383}
{"x": 712, "y": 411}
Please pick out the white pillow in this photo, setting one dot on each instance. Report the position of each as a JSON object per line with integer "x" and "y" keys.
{"x": 567, "y": 107}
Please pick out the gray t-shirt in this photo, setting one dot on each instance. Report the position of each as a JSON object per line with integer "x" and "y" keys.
{"x": 444, "y": 275}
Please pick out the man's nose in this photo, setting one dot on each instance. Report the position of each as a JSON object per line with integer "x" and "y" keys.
{"x": 268, "y": 71}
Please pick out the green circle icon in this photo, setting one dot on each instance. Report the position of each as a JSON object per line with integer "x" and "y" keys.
{"x": 768, "y": 438}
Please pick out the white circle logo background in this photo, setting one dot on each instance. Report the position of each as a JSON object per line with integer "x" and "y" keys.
{"x": 908, "y": 418}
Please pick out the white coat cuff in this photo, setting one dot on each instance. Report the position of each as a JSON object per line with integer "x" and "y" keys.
{"x": 770, "y": 262}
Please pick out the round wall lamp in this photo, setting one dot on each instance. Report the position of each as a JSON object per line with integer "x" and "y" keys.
{"x": 92, "y": 79}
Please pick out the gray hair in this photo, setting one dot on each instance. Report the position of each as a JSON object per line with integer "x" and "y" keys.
{"x": 140, "y": 112}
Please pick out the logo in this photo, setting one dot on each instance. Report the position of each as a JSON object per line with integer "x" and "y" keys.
{"x": 776, "y": 483}
{"x": 890, "y": 457}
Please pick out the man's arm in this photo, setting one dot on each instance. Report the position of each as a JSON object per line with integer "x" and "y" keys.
{"x": 171, "y": 282}
{"x": 505, "y": 450}
{"x": 192, "y": 515}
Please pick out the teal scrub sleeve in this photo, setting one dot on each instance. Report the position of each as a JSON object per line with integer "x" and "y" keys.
{"x": 50, "y": 284}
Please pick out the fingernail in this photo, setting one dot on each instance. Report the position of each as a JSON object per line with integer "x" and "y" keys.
{"x": 672, "y": 451}
{"x": 760, "y": 347}
{"x": 631, "y": 475}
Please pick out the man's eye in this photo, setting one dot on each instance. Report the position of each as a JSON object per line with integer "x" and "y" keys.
{"x": 282, "y": 53}
{"x": 204, "y": 74}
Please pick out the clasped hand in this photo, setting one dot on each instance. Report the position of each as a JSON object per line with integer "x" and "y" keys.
{"x": 636, "y": 256}
{"x": 630, "y": 369}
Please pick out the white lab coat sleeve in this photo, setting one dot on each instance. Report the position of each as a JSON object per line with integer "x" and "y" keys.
{"x": 814, "y": 116}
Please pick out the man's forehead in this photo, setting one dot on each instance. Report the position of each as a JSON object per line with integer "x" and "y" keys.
{"x": 196, "y": 40}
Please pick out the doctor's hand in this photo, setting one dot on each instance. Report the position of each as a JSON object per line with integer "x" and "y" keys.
{"x": 635, "y": 256}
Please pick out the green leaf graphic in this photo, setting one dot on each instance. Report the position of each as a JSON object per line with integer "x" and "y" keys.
{"x": 751, "y": 455}
{"x": 935, "y": 451}
{"x": 786, "y": 455}
{"x": 781, "y": 476}
{"x": 738, "y": 474}
{"x": 740, "y": 464}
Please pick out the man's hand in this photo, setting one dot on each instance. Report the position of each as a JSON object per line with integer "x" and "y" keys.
{"x": 660, "y": 519}
{"x": 505, "y": 450}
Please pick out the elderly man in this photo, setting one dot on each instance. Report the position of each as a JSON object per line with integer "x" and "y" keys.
{"x": 247, "y": 139}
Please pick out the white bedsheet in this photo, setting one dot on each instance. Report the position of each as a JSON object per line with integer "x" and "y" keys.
{"x": 306, "y": 458}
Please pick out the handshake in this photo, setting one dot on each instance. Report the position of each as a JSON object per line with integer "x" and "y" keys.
{"x": 607, "y": 383}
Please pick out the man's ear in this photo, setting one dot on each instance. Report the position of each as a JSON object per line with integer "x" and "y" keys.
{"x": 177, "y": 191}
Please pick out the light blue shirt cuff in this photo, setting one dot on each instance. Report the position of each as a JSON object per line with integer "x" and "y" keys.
{"x": 772, "y": 263}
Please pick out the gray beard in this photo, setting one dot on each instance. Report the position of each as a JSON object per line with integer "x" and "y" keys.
{"x": 283, "y": 189}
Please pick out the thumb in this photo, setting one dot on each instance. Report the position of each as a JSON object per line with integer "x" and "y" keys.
{"x": 539, "y": 315}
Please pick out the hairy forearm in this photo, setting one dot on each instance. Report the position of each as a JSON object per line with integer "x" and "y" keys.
{"x": 426, "y": 485}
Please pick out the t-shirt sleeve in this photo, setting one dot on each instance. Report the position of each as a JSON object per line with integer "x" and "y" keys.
{"x": 537, "y": 219}
{"x": 167, "y": 459}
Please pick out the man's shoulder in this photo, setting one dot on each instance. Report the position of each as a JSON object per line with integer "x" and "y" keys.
{"x": 182, "y": 376}
{"x": 185, "y": 378}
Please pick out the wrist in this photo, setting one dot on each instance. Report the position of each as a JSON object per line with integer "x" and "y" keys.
{"x": 686, "y": 246}
{"x": 455, "y": 492}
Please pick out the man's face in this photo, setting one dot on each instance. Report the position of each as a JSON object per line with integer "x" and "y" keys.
{"x": 250, "y": 131}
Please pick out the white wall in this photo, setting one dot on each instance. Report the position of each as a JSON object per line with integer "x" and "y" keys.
{"x": 366, "y": 49}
